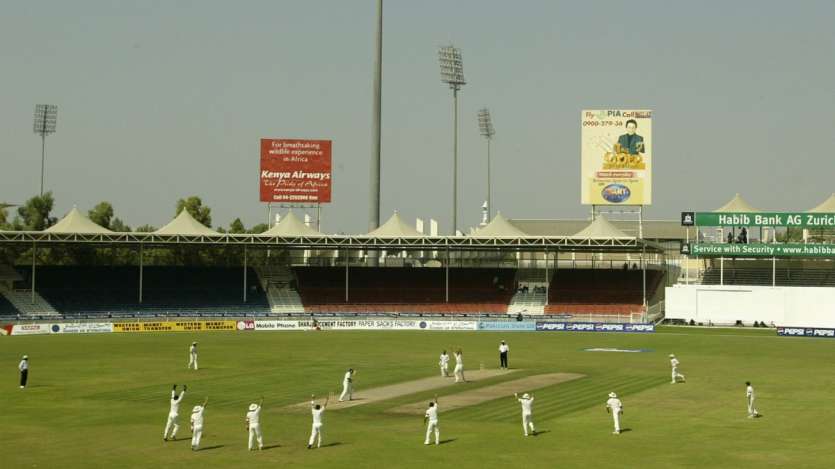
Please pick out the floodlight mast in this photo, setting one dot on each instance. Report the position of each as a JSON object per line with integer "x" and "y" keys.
{"x": 46, "y": 118}
{"x": 452, "y": 73}
{"x": 485, "y": 127}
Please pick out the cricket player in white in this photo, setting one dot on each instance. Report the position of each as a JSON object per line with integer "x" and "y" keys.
{"x": 253, "y": 425}
{"x": 749, "y": 394}
{"x": 174, "y": 413}
{"x": 676, "y": 374}
{"x": 192, "y": 355}
{"x": 616, "y": 406}
{"x": 347, "y": 385}
{"x": 316, "y": 431}
{"x": 23, "y": 366}
{"x": 444, "y": 363}
{"x": 527, "y": 412}
{"x": 430, "y": 418}
{"x": 197, "y": 424}
{"x": 459, "y": 367}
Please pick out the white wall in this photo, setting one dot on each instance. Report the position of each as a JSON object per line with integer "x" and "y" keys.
{"x": 784, "y": 306}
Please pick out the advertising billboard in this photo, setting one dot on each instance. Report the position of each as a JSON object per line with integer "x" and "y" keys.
{"x": 616, "y": 157}
{"x": 295, "y": 171}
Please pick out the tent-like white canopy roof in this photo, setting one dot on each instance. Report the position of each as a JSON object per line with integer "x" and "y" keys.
{"x": 737, "y": 204}
{"x": 601, "y": 228}
{"x": 395, "y": 227}
{"x": 499, "y": 227}
{"x": 827, "y": 206}
{"x": 291, "y": 226}
{"x": 185, "y": 225}
{"x": 76, "y": 222}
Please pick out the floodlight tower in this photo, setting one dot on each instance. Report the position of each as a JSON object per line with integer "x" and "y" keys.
{"x": 452, "y": 73}
{"x": 46, "y": 116}
{"x": 485, "y": 127}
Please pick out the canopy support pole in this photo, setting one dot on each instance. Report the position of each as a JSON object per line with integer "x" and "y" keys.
{"x": 34, "y": 250}
{"x": 141, "y": 270}
{"x": 245, "y": 269}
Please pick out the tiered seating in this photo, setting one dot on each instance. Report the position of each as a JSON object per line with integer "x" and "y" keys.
{"x": 762, "y": 276}
{"x": 411, "y": 290}
{"x": 77, "y": 290}
{"x": 6, "y": 308}
{"x": 600, "y": 291}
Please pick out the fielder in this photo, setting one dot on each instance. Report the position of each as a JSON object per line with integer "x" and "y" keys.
{"x": 430, "y": 418}
{"x": 197, "y": 424}
{"x": 676, "y": 374}
{"x": 316, "y": 431}
{"x": 616, "y": 406}
{"x": 174, "y": 413}
{"x": 459, "y": 367}
{"x": 347, "y": 385}
{"x": 253, "y": 425}
{"x": 192, "y": 355}
{"x": 23, "y": 366}
{"x": 527, "y": 412}
{"x": 444, "y": 363}
{"x": 749, "y": 393}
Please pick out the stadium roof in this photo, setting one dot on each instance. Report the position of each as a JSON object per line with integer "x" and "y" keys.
{"x": 652, "y": 229}
{"x": 185, "y": 225}
{"x": 500, "y": 227}
{"x": 76, "y": 222}
{"x": 827, "y": 206}
{"x": 291, "y": 226}
{"x": 395, "y": 227}
{"x": 601, "y": 228}
{"x": 737, "y": 204}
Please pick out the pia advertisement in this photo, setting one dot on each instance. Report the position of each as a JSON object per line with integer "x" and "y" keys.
{"x": 555, "y": 326}
{"x": 506, "y": 326}
{"x": 616, "y": 157}
{"x": 295, "y": 171}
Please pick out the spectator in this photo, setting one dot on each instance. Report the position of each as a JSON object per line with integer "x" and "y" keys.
{"x": 730, "y": 238}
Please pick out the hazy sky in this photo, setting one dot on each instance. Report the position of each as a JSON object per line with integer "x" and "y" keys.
{"x": 164, "y": 99}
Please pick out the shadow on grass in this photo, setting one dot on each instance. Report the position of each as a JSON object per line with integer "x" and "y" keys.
{"x": 335, "y": 443}
{"x": 271, "y": 447}
{"x": 541, "y": 432}
{"x": 209, "y": 448}
{"x": 449, "y": 440}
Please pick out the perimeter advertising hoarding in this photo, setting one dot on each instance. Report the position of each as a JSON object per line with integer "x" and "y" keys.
{"x": 761, "y": 250}
{"x": 616, "y": 157}
{"x": 175, "y": 326}
{"x": 294, "y": 170}
{"x": 791, "y": 219}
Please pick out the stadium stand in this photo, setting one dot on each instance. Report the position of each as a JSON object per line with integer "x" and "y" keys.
{"x": 6, "y": 307}
{"x": 600, "y": 291}
{"x": 784, "y": 277}
{"x": 77, "y": 290}
{"x": 405, "y": 290}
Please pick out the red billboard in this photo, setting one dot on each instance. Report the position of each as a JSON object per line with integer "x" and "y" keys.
{"x": 294, "y": 170}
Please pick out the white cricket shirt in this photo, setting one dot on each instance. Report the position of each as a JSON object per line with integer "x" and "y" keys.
{"x": 24, "y": 365}
{"x": 527, "y": 405}
{"x": 317, "y": 415}
{"x": 197, "y": 417}
{"x": 674, "y": 362}
{"x": 615, "y": 404}
{"x": 503, "y": 348}
{"x": 432, "y": 413}
{"x": 175, "y": 403}
{"x": 254, "y": 416}
{"x": 749, "y": 392}
{"x": 444, "y": 359}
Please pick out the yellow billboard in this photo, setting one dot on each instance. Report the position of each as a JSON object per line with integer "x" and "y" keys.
{"x": 174, "y": 326}
{"x": 616, "y": 157}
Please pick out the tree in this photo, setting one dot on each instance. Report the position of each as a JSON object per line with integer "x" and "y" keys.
{"x": 237, "y": 227}
{"x": 196, "y": 209}
{"x": 3, "y": 219}
{"x": 101, "y": 214}
{"x": 34, "y": 214}
{"x": 259, "y": 228}
{"x": 119, "y": 226}
{"x": 146, "y": 228}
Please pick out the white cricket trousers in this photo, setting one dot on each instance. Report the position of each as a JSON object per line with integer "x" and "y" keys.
{"x": 527, "y": 422}
{"x": 195, "y": 436}
{"x": 172, "y": 422}
{"x": 255, "y": 433}
{"x": 347, "y": 391}
{"x": 616, "y": 418}
{"x": 432, "y": 425}
{"x": 459, "y": 373}
{"x": 676, "y": 375}
{"x": 192, "y": 360}
{"x": 444, "y": 370}
{"x": 315, "y": 433}
{"x": 751, "y": 409}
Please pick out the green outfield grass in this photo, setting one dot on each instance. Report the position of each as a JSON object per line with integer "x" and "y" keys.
{"x": 102, "y": 400}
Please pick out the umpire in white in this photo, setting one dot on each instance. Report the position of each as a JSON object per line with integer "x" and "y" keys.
{"x": 24, "y": 371}
{"x": 503, "y": 349}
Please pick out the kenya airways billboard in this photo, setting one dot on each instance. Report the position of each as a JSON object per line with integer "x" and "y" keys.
{"x": 295, "y": 170}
